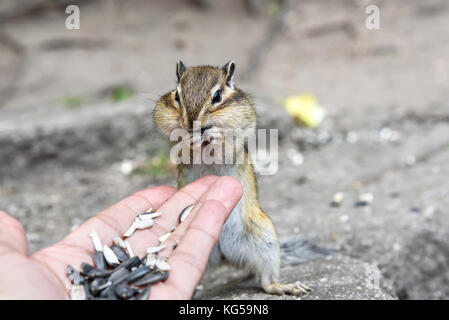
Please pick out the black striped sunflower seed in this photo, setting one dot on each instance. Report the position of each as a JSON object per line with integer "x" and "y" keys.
{"x": 99, "y": 261}
{"x": 138, "y": 273}
{"x": 120, "y": 253}
{"x": 152, "y": 277}
{"x": 144, "y": 294}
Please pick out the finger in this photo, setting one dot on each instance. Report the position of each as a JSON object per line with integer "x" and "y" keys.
{"x": 112, "y": 222}
{"x": 189, "y": 260}
{"x": 142, "y": 239}
{"x": 224, "y": 190}
{"x": 12, "y": 236}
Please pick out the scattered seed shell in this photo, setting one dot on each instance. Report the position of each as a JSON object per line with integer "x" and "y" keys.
{"x": 155, "y": 249}
{"x": 77, "y": 292}
{"x": 337, "y": 199}
{"x": 130, "y": 231}
{"x": 162, "y": 265}
{"x": 110, "y": 257}
{"x": 138, "y": 273}
{"x": 143, "y": 224}
{"x": 185, "y": 212}
{"x": 151, "y": 260}
{"x": 96, "y": 241}
{"x": 364, "y": 199}
{"x": 164, "y": 237}
{"x": 128, "y": 249}
{"x": 149, "y": 215}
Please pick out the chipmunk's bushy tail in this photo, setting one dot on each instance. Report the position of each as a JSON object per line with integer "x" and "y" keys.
{"x": 299, "y": 250}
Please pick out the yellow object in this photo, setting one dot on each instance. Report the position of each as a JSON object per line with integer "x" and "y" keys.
{"x": 305, "y": 109}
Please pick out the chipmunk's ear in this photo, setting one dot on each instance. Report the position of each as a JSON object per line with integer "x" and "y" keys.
{"x": 228, "y": 70}
{"x": 180, "y": 69}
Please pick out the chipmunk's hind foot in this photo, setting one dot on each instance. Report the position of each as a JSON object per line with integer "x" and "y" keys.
{"x": 296, "y": 289}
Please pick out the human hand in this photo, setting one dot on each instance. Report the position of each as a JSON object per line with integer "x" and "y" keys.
{"x": 42, "y": 275}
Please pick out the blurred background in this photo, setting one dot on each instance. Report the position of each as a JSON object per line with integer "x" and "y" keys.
{"x": 362, "y": 113}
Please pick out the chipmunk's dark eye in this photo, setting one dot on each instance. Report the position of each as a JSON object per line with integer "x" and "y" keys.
{"x": 177, "y": 96}
{"x": 217, "y": 96}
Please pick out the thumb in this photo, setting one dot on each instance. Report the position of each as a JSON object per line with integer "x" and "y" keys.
{"x": 12, "y": 235}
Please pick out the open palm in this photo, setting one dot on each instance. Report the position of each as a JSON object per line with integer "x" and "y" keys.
{"x": 42, "y": 275}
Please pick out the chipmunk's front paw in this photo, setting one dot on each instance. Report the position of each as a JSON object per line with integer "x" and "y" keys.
{"x": 296, "y": 289}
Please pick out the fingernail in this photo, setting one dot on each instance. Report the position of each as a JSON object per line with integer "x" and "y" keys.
{"x": 227, "y": 190}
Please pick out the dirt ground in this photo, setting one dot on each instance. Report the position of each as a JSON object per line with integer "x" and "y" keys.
{"x": 65, "y": 143}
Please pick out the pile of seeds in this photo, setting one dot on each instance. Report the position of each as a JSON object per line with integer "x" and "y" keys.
{"x": 117, "y": 273}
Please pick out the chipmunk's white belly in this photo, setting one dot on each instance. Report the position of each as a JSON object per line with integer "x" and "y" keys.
{"x": 232, "y": 232}
{"x": 196, "y": 171}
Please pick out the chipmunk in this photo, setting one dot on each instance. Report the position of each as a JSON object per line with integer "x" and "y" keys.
{"x": 248, "y": 240}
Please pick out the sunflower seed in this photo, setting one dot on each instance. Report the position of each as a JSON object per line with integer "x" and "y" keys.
{"x": 162, "y": 265}
{"x": 77, "y": 292}
{"x": 151, "y": 260}
{"x": 152, "y": 278}
{"x": 128, "y": 249}
{"x": 76, "y": 278}
{"x": 184, "y": 213}
{"x": 138, "y": 273}
{"x": 120, "y": 253}
{"x": 155, "y": 249}
{"x": 125, "y": 292}
{"x": 115, "y": 268}
{"x": 89, "y": 295}
{"x": 110, "y": 257}
{"x": 364, "y": 199}
{"x": 164, "y": 237}
{"x": 97, "y": 273}
{"x": 96, "y": 241}
{"x": 85, "y": 268}
{"x": 149, "y": 215}
{"x": 144, "y": 294}
{"x": 129, "y": 264}
{"x": 119, "y": 275}
{"x": 119, "y": 242}
{"x": 70, "y": 270}
{"x": 99, "y": 261}
{"x": 74, "y": 275}
{"x": 99, "y": 284}
{"x": 337, "y": 199}
{"x": 131, "y": 230}
{"x": 143, "y": 224}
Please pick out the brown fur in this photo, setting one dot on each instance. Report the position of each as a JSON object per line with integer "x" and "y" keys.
{"x": 234, "y": 111}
